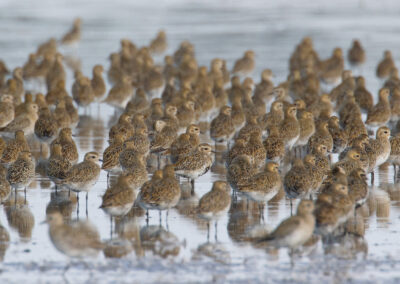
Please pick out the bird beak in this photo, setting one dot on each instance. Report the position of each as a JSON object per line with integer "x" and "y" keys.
{"x": 100, "y": 160}
{"x": 43, "y": 222}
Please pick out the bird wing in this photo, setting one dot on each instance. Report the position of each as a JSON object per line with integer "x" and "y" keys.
{"x": 79, "y": 172}
{"x": 287, "y": 227}
{"x": 210, "y": 202}
{"x": 18, "y": 123}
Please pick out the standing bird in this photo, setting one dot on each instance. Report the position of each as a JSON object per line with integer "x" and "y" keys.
{"x": 240, "y": 170}
{"x": 245, "y": 65}
{"x": 163, "y": 194}
{"x": 69, "y": 149}
{"x": 297, "y": 182}
{"x": 215, "y": 204}
{"x": 57, "y": 166}
{"x": 74, "y": 35}
{"x": 46, "y": 127}
{"x": 83, "y": 176}
{"x": 263, "y": 186}
{"x": 222, "y": 128}
{"x": 356, "y": 54}
{"x": 385, "y": 67}
{"x": 195, "y": 164}
{"x": 22, "y": 171}
{"x": 111, "y": 155}
{"x": 380, "y": 113}
{"x": 296, "y": 230}
{"x": 118, "y": 199}
{"x": 98, "y": 84}
{"x": 290, "y": 128}
{"x": 274, "y": 146}
{"x": 74, "y": 239}
{"x": 6, "y": 110}
{"x": 362, "y": 95}
{"x": 159, "y": 44}
{"x": 120, "y": 93}
{"x": 25, "y": 121}
{"x": 14, "y": 147}
{"x": 82, "y": 92}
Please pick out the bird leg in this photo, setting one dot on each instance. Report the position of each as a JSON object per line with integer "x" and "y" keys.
{"x": 87, "y": 193}
{"x": 261, "y": 209}
{"x": 291, "y": 207}
{"x": 25, "y": 195}
{"x": 111, "y": 230}
{"x": 166, "y": 220}
{"x": 15, "y": 197}
{"x": 216, "y": 231}
{"x": 372, "y": 178}
{"x": 147, "y": 217}
{"x": 77, "y": 206}
{"x": 192, "y": 184}
{"x": 208, "y": 231}
{"x": 159, "y": 214}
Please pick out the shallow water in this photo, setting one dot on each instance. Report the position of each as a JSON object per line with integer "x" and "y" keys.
{"x": 217, "y": 29}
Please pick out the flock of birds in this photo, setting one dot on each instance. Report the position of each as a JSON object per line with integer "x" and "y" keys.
{"x": 268, "y": 136}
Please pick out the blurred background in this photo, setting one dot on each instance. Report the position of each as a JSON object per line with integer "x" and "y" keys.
{"x": 217, "y": 28}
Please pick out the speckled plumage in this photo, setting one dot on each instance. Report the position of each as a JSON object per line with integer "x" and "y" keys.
{"x": 378, "y": 149}
{"x": 46, "y": 127}
{"x": 14, "y": 147}
{"x": 289, "y": 129}
{"x": 111, "y": 154}
{"x": 25, "y": 121}
{"x": 321, "y": 136}
{"x": 246, "y": 64}
{"x": 274, "y": 146}
{"x": 164, "y": 137}
{"x": 196, "y": 163}
{"x": 22, "y": 171}
{"x": 7, "y": 113}
{"x": 163, "y": 193}
{"x": 58, "y": 165}
{"x": 240, "y": 170}
{"x": 265, "y": 185}
{"x": 129, "y": 156}
{"x": 216, "y": 202}
{"x": 358, "y": 187}
{"x": 119, "y": 198}
{"x": 69, "y": 149}
{"x": 297, "y": 182}
{"x": 82, "y": 176}
{"x": 381, "y": 112}
{"x": 141, "y": 141}
{"x": 221, "y": 127}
